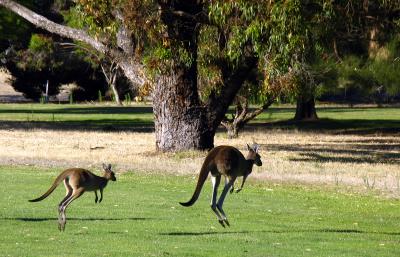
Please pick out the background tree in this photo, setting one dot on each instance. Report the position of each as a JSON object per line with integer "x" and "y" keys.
{"x": 350, "y": 28}
{"x": 43, "y": 62}
{"x": 35, "y": 57}
{"x": 359, "y": 46}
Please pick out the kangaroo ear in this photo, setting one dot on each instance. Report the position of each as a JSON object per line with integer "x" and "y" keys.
{"x": 105, "y": 166}
{"x": 256, "y": 147}
{"x": 249, "y": 148}
{"x": 109, "y": 166}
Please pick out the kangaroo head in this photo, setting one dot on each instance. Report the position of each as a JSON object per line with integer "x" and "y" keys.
{"x": 108, "y": 173}
{"x": 253, "y": 154}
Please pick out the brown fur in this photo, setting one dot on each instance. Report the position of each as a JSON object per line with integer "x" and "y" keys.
{"x": 76, "y": 182}
{"x": 229, "y": 162}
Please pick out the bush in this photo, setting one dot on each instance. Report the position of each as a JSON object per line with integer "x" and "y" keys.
{"x": 44, "y": 60}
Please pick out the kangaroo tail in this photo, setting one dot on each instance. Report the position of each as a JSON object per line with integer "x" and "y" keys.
{"x": 56, "y": 182}
{"x": 202, "y": 178}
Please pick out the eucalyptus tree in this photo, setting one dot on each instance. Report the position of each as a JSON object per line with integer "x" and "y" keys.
{"x": 174, "y": 46}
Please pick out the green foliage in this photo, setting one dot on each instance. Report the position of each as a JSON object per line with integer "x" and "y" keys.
{"x": 281, "y": 34}
{"x": 243, "y": 23}
{"x": 370, "y": 78}
{"x": 40, "y": 43}
{"x": 127, "y": 99}
{"x": 385, "y": 66}
{"x": 71, "y": 98}
{"x": 40, "y": 54}
{"x": 44, "y": 60}
{"x": 13, "y": 28}
{"x": 42, "y": 99}
{"x": 288, "y": 42}
{"x": 100, "y": 97}
{"x": 95, "y": 16}
{"x": 286, "y": 36}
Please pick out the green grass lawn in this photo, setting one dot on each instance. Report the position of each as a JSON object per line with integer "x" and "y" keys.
{"x": 339, "y": 113}
{"x": 357, "y": 119}
{"x": 140, "y": 216}
{"x": 77, "y": 116}
{"x": 140, "y": 118}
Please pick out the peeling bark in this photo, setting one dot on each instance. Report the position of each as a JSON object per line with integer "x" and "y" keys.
{"x": 180, "y": 121}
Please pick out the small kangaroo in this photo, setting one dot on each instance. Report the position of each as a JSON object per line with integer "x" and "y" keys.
{"x": 76, "y": 182}
{"x": 229, "y": 162}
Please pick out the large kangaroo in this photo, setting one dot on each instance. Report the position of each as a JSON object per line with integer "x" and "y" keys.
{"x": 229, "y": 162}
{"x": 76, "y": 182}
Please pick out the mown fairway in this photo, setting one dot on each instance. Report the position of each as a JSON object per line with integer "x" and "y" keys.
{"x": 140, "y": 117}
{"x": 76, "y": 116}
{"x": 326, "y": 188}
{"x": 140, "y": 216}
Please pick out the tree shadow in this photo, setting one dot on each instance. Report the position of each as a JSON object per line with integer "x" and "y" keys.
{"x": 82, "y": 110}
{"x": 350, "y": 126}
{"x": 139, "y": 119}
{"x": 72, "y": 218}
{"x": 332, "y": 126}
{"x": 324, "y": 230}
{"x": 355, "y": 151}
{"x": 132, "y": 125}
{"x": 314, "y": 157}
{"x": 203, "y": 233}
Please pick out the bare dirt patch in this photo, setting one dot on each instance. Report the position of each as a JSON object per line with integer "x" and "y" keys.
{"x": 366, "y": 161}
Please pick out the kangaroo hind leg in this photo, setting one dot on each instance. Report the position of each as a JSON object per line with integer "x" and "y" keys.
{"x": 75, "y": 194}
{"x": 68, "y": 194}
{"x": 215, "y": 183}
{"x": 228, "y": 185}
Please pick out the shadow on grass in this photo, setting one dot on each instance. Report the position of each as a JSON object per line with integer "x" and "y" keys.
{"x": 134, "y": 125}
{"x": 339, "y": 231}
{"x": 142, "y": 120}
{"x": 388, "y": 158}
{"x": 83, "y": 219}
{"x": 383, "y": 151}
{"x": 100, "y": 118}
{"x": 336, "y": 126}
{"x": 54, "y": 109}
{"x": 204, "y": 233}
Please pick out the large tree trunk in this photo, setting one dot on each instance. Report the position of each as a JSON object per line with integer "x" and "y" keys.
{"x": 180, "y": 121}
{"x": 305, "y": 109}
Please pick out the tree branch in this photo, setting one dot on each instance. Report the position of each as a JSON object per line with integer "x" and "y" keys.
{"x": 132, "y": 69}
{"x": 124, "y": 40}
{"x": 259, "y": 110}
{"x": 219, "y": 103}
{"x": 46, "y": 24}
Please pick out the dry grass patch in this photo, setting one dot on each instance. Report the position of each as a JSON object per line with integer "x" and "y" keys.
{"x": 368, "y": 161}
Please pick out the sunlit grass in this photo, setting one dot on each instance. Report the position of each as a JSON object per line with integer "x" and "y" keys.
{"x": 76, "y": 116}
{"x": 140, "y": 216}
